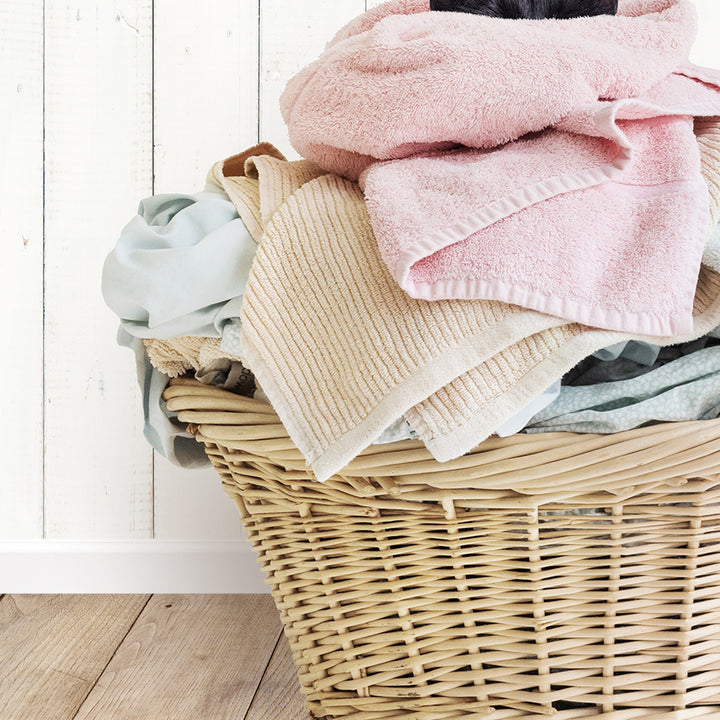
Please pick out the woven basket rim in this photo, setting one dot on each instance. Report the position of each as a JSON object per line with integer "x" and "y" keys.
{"x": 541, "y": 465}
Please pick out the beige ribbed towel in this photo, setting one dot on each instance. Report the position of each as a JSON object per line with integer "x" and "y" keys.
{"x": 341, "y": 351}
{"x": 176, "y": 356}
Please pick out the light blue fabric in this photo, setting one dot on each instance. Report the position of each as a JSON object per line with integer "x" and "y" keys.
{"x": 230, "y": 342}
{"x": 516, "y": 423}
{"x": 161, "y": 428}
{"x": 640, "y": 352}
{"x": 180, "y": 267}
{"x": 612, "y": 352}
{"x": 396, "y": 431}
{"x": 687, "y": 388}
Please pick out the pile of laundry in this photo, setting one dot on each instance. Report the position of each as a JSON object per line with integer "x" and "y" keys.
{"x": 472, "y": 244}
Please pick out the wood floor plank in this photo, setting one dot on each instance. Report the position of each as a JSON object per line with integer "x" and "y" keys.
{"x": 188, "y": 657}
{"x": 279, "y": 696}
{"x": 53, "y": 648}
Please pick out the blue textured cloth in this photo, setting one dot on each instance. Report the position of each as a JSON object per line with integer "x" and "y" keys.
{"x": 686, "y": 388}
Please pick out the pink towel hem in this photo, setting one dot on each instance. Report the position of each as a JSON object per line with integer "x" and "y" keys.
{"x": 588, "y": 313}
{"x": 566, "y": 307}
{"x": 561, "y": 307}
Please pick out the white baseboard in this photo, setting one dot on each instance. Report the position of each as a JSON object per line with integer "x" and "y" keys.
{"x": 130, "y": 566}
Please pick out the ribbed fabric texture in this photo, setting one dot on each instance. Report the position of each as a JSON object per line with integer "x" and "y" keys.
{"x": 177, "y": 356}
{"x": 341, "y": 350}
{"x": 707, "y": 132}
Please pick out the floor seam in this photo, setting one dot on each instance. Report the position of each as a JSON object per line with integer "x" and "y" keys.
{"x": 262, "y": 677}
{"x": 112, "y": 655}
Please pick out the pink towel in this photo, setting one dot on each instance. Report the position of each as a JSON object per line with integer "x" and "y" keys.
{"x": 549, "y": 164}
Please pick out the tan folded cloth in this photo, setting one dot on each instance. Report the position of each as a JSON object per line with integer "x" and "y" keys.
{"x": 176, "y": 356}
{"x": 342, "y": 351}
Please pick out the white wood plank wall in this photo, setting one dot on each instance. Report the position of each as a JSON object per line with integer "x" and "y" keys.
{"x": 104, "y": 104}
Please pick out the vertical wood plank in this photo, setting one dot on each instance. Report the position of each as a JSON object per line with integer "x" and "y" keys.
{"x": 213, "y": 647}
{"x": 205, "y": 88}
{"x": 191, "y": 504}
{"x": 705, "y": 51}
{"x": 54, "y": 647}
{"x": 98, "y": 127}
{"x": 292, "y": 35}
{"x": 206, "y": 108}
{"x": 21, "y": 266}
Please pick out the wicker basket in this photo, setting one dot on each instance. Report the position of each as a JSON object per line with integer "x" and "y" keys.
{"x": 556, "y": 574}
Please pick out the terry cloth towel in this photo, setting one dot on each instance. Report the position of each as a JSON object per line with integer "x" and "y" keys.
{"x": 177, "y": 356}
{"x": 551, "y": 164}
{"x": 341, "y": 351}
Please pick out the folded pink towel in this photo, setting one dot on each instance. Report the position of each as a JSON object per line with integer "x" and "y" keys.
{"x": 549, "y": 164}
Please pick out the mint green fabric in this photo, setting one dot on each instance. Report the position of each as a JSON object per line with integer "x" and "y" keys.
{"x": 160, "y": 426}
{"x": 180, "y": 267}
{"x": 686, "y": 388}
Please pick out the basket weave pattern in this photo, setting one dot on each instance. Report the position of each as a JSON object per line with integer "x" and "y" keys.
{"x": 581, "y": 580}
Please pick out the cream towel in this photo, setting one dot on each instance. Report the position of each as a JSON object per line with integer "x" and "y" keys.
{"x": 342, "y": 352}
{"x": 176, "y": 356}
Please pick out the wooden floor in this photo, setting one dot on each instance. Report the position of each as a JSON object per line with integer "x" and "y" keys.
{"x": 155, "y": 657}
